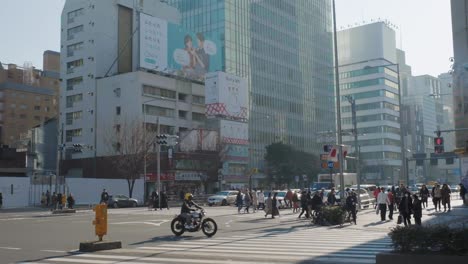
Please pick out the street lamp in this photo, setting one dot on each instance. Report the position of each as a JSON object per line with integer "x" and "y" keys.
{"x": 352, "y": 101}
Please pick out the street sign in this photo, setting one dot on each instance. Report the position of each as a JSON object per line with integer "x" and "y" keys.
{"x": 331, "y": 164}
{"x": 324, "y": 157}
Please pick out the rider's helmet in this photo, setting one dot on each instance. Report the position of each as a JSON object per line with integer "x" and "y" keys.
{"x": 188, "y": 197}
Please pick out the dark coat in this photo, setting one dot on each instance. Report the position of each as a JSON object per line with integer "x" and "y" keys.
{"x": 406, "y": 205}
{"x": 417, "y": 208}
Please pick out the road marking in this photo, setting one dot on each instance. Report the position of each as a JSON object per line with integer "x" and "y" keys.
{"x": 159, "y": 222}
{"x": 54, "y": 251}
{"x": 228, "y": 223}
{"x": 81, "y": 260}
{"x": 10, "y": 248}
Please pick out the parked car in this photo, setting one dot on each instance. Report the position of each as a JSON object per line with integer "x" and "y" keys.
{"x": 223, "y": 198}
{"x": 279, "y": 197}
{"x": 118, "y": 200}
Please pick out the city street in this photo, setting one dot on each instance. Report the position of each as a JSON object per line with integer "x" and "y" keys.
{"x": 146, "y": 237}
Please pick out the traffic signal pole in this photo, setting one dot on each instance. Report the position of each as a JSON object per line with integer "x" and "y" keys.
{"x": 158, "y": 160}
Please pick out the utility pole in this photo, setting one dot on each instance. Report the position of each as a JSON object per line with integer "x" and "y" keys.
{"x": 357, "y": 150}
{"x": 158, "y": 160}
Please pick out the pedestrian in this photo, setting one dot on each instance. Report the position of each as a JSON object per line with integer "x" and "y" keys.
{"x": 63, "y": 201}
{"x": 253, "y": 194}
{"x": 304, "y": 205}
{"x": 268, "y": 205}
{"x": 351, "y": 202}
{"x": 181, "y": 194}
{"x": 54, "y": 201}
{"x": 436, "y": 197}
{"x": 445, "y": 195}
{"x": 261, "y": 200}
{"x": 274, "y": 206}
{"x": 164, "y": 201}
{"x": 59, "y": 201}
{"x": 310, "y": 204}
{"x": 247, "y": 201}
{"x": 376, "y": 194}
{"x": 424, "y": 193}
{"x": 155, "y": 199}
{"x": 43, "y": 200}
{"x": 462, "y": 192}
{"x": 331, "y": 198}
{"x": 405, "y": 207}
{"x": 239, "y": 201}
{"x": 317, "y": 203}
{"x": 104, "y": 197}
{"x": 295, "y": 201}
{"x": 288, "y": 199}
{"x": 417, "y": 210}
{"x": 382, "y": 200}
{"x": 1, "y": 200}
{"x": 47, "y": 198}
{"x": 71, "y": 201}
{"x": 397, "y": 196}
{"x": 391, "y": 203}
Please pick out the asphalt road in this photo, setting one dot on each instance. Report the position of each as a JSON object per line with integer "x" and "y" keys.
{"x": 44, "y": 238}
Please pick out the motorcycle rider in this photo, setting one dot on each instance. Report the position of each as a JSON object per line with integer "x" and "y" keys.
{"x": 186, "y": 209}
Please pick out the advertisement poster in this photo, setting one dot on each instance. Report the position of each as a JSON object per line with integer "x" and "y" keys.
{"x": 175, "y": 50}
{"x": 232, "y": 132}
{"x": 226, "y": 95}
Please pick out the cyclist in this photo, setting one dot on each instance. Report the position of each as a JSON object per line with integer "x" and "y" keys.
{"x": 351, "y": 202}
{"x": 186, "y": 209}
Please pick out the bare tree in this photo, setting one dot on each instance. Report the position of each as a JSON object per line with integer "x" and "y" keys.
{"x": 129, "y": 145}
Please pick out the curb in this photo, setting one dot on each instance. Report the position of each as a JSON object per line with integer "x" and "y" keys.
{"x": 94, "y": 246}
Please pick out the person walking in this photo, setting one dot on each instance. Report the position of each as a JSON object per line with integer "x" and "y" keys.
{"x": 59, "y": 201}
{"x": 104, "y": 197}
{"x": 445, "y": 195}
{"x": 253, "y": 194}
{"x": 288, "y": 199}
{"x": 304, "y": 205}
{"x": 268, "y": 205}
{"x": 405, "y": 207}
{"x": 424, "y": 194}
{"x": 436, "y": 197}
{"x": 261, "y": 200}
{"x": 351, "y": 202}
{"x": 247, "y": 201}
{"x": 43, "y": 200}
{"x": 164, "y": 201}
{"x": 71, "y": 201}
{"x": 54, "y": 201}
{"x": 1, "y": 200}
{"x": 331, "y": 198}
{"x": 376, "y": 194}
{"x": 382, "y": 200}
{"x": 47, "y": 198}
{"x": 462, "y": 192}
{"x": 295, "y": 201}
{"x": 239, "y": 201}
{"x": 417, "y": 210}
{"x": 391, "y": 203}
{"x": 155, "y": 199}
{"x": 274, "y": 206}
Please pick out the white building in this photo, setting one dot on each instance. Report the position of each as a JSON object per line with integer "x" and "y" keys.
{"x": 367, "y": 57}
{"x": 100, "y": 39}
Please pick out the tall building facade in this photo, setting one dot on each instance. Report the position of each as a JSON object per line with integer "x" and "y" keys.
{"x": 367, "y": 57}
{"x": 460, "y": 69}
{"x": 28, "y": 97}
{"x": 284, "y": 50}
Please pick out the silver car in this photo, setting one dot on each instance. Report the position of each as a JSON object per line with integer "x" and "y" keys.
{"x": 223, "y": 198}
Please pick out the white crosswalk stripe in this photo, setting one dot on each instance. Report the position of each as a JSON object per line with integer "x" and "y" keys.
{"x": 308, "y": 245}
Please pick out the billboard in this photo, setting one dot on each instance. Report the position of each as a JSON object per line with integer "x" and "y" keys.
{"x": 170, "y": 48}
{"x": 232, "y": 132}
{"x": 226, "y": 95}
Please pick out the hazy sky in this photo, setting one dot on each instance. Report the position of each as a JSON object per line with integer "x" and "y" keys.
{"x": 28, "y": 27}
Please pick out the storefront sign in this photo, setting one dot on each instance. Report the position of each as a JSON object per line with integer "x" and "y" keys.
{"x": 189, "y": 176}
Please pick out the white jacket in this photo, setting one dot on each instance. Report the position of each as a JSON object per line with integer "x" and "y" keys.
{"x": 382, "y": 198}
{"x": 261, "y": 197}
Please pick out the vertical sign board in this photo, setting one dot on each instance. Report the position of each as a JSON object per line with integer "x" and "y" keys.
{"x": 153, "y": 43}
{"x": 232, "y": 132}
{"x": 226, "y": 95}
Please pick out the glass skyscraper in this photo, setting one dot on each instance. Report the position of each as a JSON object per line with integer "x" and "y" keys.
{"x": 284, "y": 49}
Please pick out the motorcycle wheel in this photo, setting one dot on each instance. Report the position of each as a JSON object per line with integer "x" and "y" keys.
{"x": 209, "y": 227}
{"x": 177, "y": 227}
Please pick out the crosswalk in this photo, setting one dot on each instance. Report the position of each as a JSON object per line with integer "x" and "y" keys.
{"x": 305, "y": 245}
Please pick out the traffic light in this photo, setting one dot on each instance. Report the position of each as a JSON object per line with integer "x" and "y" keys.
{"x": 161, "y": 139}
{"x": 438, "y": 145}
{"x": 77, "y": 147}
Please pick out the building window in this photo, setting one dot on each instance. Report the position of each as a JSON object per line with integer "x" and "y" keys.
{"x": 73, "y": 116}
{"x": 182, "y": 97}
{"x": 117, "y": 110}
{"x": 196, "y": 99}
{"x": 74, "y": 47}
{"x": 73, "y": 64}
{"x": 23, "y": 106}
{"x": 72, "y": 99}
{"x": 159, "y": 111}
{"x": 47, "y": 109}
{"x": 37, "y": 107}
{"x": 117, "y": 128}
{"x": 73, "y": 14}
{"x": 71, "y": 33}
{"x": 156, "y": 91}
{"x": 182, "y": 114}
{"x": 198, "y": 117}
{"x": 74, "y": 81}
{"x": 73, "y": 133}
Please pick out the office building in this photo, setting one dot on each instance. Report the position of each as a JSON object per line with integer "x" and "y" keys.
{"x": 284, "y": 50}
{"x": 367, "y": 57}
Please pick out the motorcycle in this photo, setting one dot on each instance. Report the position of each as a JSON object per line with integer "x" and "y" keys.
{"x": 207, "y": 225}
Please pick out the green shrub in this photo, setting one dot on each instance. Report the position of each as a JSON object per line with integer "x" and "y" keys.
{"x": 333, "y": 215}
{"x": 428, "y": 239}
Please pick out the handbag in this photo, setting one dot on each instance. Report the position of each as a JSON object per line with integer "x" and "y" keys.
{"x": 400, "y": 219}
{"x": 377, "y": 210}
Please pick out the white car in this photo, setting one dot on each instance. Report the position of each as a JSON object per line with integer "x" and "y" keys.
{"x": 223, "y": 198}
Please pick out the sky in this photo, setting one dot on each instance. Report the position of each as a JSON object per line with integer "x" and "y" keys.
{"x": 29, "y": 27}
